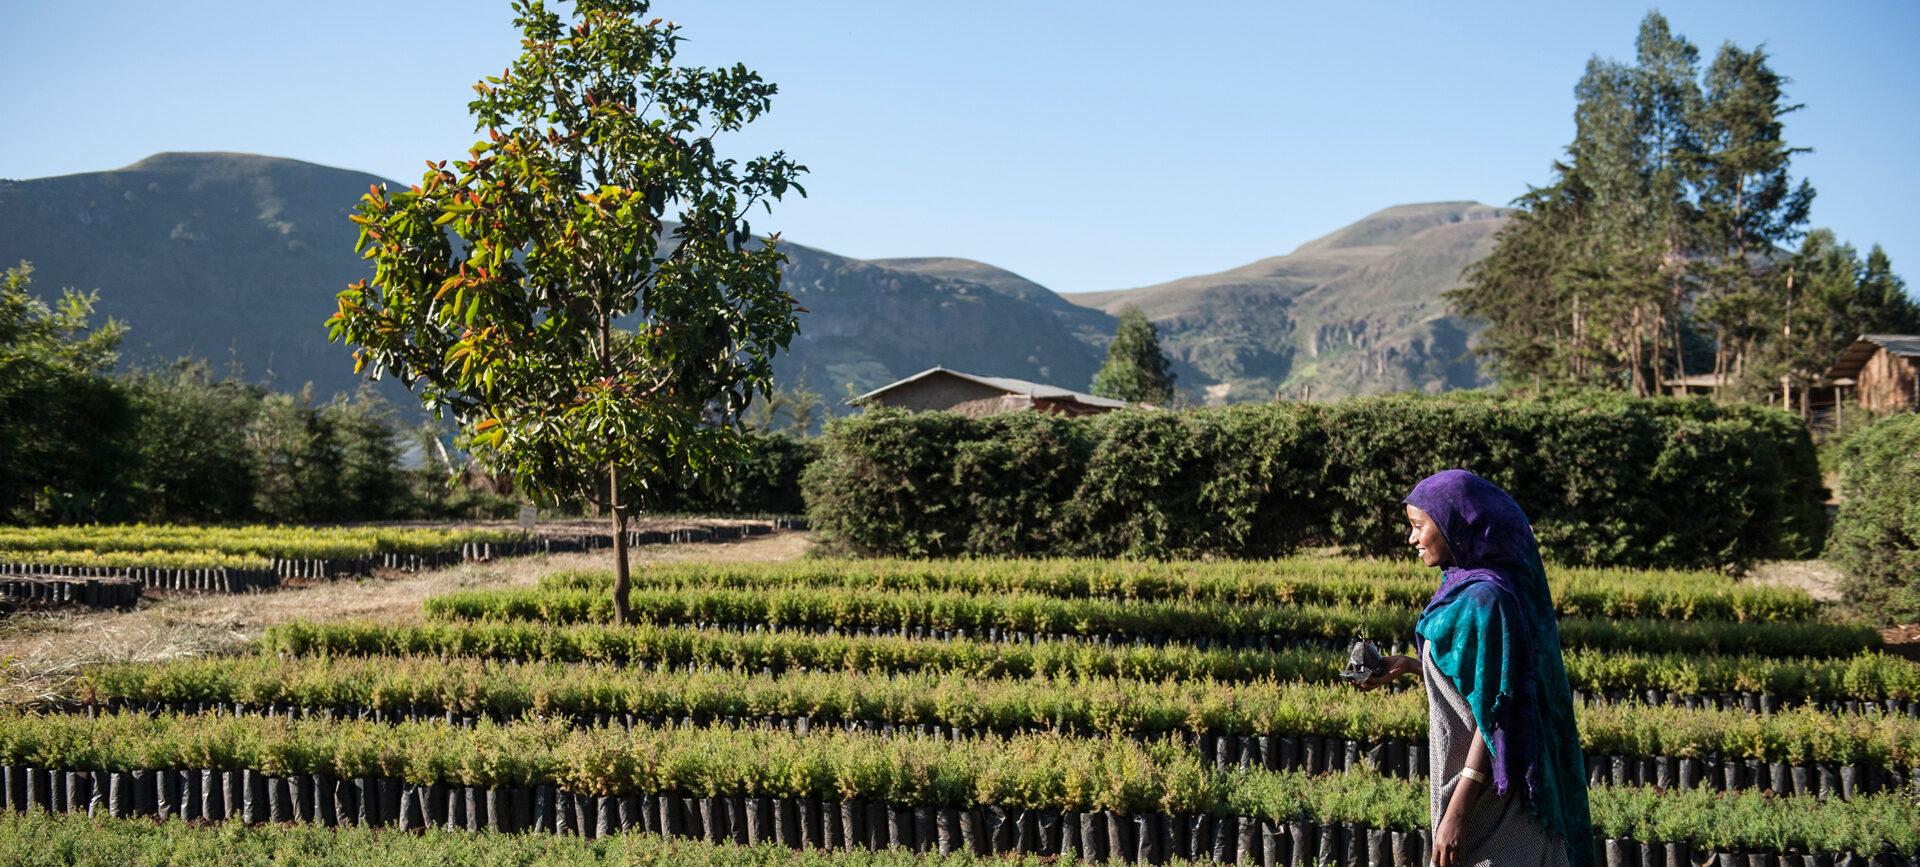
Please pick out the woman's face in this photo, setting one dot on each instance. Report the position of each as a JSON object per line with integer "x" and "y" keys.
{"x": 1424, "y": 535}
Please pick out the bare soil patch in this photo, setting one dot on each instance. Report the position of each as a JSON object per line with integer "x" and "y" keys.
{"x": 42, "y": 653}
{"x": 1821, "y": 580}
{"x": 1818, "y": 577}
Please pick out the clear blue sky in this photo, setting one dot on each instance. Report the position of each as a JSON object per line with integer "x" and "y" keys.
{"x": 1085, "y": 145}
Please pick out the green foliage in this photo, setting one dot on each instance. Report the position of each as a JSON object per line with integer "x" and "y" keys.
{"x": 1402, "y": 582}
{"x": 764, "y": 480}
{"x": 499, "y": 282}
{"x": 63, "y": 423}
{"x": 1876, "y": 538}
{"x": 197, "y": 462}
{"x": 1867, "y": 676}
{"x": 1048, "y": 772}
{"x": 1112, "y": 706}
{"x": 1608, "y": 480}
{"x": 1653, "y": 252}
{"x": 1135, "y": 371}
{"x": 214, "y": 546}
{"x": 1176, "y": 620}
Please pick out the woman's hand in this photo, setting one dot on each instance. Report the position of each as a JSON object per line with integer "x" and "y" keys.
{"x": 1396, "y": 666}
{"x": 1466, "y": 790}
{"x": 1446, "y": 840}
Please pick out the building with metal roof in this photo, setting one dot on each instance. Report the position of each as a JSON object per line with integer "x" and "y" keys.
{"x": 1883, "y": 369}
{"x": 972, "y": 395}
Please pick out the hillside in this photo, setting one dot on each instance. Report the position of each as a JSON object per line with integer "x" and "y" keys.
{"x": 1357, "y": 311}
{"x": 236, "y": 258}
{"x": 230, "y": 257}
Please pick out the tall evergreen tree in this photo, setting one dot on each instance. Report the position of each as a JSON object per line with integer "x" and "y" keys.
{"x": 1748, "y": 202}
{"x": 1660, "y": 238}
{"x": 1135, "y": 370}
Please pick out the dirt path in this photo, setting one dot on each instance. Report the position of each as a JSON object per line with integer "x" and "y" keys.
{"x": 42, "y": 653}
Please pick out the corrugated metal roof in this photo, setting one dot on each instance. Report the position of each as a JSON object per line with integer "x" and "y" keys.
{"x": 1007, "y": 384}
{"x": 1854, "y": 357}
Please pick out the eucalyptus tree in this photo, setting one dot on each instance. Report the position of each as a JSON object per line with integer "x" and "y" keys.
{"x": 1747, "y": 199}
{"x": 583, "y": 293}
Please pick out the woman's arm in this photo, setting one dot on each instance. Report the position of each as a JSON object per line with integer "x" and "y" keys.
{"x": 1446, "y": 837}
{"x": 1396, "y": 666}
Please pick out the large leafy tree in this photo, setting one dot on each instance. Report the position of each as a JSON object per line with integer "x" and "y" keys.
{"x": 538, "y": 291}
{"x": 1136, "y": 369}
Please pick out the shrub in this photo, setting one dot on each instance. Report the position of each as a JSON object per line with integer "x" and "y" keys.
{"x": 1607, "y": 479}
{"x": 1876, "y": 538}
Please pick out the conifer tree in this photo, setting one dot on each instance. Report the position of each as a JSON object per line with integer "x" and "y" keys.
{"x": 1135, "y": 370}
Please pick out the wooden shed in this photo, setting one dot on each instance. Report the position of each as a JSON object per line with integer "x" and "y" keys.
{"x": 1883, "y": 369}
{"x": 970, "y": 395}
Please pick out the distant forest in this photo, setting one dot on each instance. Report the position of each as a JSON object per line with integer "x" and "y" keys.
{"x": 1665, "y": 245}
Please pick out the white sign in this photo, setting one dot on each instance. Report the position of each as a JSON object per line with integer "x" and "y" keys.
{"x": 527, "y": 513}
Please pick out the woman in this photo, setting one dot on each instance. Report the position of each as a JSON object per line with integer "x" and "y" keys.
{"x": 1501, "y": 712}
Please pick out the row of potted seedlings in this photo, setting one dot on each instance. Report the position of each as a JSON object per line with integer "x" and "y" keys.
{"x": 1874, "y": 682}
{"x": 32, "y": 591}
{"x": 1141, "y": 803}
{"x": 1293, "y": 581}
{"x": 1043, "y": 618}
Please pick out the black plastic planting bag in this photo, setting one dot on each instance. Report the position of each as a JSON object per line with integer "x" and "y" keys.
{"x": 899, "y": 828}
{"x": 563, "y": 813}
{"x": 254, "y": 808}
{"x": 607, "y": 809}
{"x": 833, "y": 825}
{"x": 673, "y": 816}
{"x": 120, "y": 797}
{"x": 876, "y": 827}
{"x": 279, "y": 800}
{"x": 412, "y": 817}
{"x": 191, "y": 799}
{"x": 499, "y": 810}
{"x": 923, "y": 829}
{"x": 1306, "y": 843}
{"x": 713, "y": 820}
{"x": 1146, "y": 839}
{"x": 236, "y": 784}
{"x": 1000, "y": 832}
{"x": 1047, "y": 830}
{"x": 166, "y": 794}
{"x": 1093, "y": 837}
{"x": 541, "y": 807}
{"x": 1247, "y": 842}
{"x": 630, "y": 815}
{"x": 213, "y": 796}
{"x": 813, "y": 824}
{"x": 853, "y": 824}
{"x": 787, "y": 824}
{"x": 586, "y": 816}
{"x": 1379, "y": 847}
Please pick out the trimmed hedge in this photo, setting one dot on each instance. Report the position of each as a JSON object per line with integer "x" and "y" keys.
{"x": 1876, "y": 538}
{"x": 1608, "y": 480}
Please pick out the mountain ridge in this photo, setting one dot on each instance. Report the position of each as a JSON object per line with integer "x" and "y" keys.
{"x": 237, "y": 258}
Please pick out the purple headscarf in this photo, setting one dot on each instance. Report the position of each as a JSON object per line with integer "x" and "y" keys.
{"x": 1502, "y": 649}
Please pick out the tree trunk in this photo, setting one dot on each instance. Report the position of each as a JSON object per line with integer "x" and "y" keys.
{"x": 622, "y": 614}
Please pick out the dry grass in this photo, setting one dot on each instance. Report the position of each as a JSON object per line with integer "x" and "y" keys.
{"x": 41, "y": 654}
